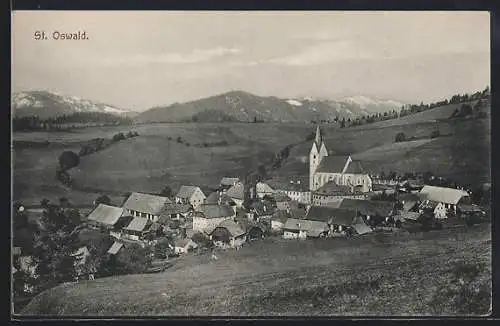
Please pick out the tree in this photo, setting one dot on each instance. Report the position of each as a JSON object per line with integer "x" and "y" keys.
{"x": 400, "y": 137}
{"x": 255, "y": 119}
{"x": 166, "y": 192}
{"x": 133, "y": 259}
{"x": 68, "y": 160}
{"x": 56, "y": 244}
{"x": 119, "y": 136}
{"x": 465, "y": 110}
{"x": 262, "y": 171}
{"x": 179, "y": 140}
{"x": 102, "y": 199}
{"x": 342, "y": 123}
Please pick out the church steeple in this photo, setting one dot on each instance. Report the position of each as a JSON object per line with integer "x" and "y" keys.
{"x": 318, "y": 139}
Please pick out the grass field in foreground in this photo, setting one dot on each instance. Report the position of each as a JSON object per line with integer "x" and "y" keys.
{"x": 377, "y": 274}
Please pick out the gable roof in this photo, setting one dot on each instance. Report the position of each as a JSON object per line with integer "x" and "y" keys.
{"x": 362, "y": 228}
{"x": 115, "y": 247}
{"x": 263, "y": 187}
{"x": 227, "y": 181}
{"x": 281, "y": 197}
{"x": 331, "y": 215}
{"x": 188, "y": 191}
{"x": 138, "y": 224}
{"x": 106, "y": 214}
{"x": 213, "y": 198}
{"x": 355, "y": 167}
{"x": 173, "y": 208}
{"x": 236, "y": 191}
{"x": 313, "y": 228}
{"x": 368, "y": 207}
{"x": 333, "y": 164}
{"x": 215, "y": 211}
{"x": 443, "y": 195}
{"x": 146, "y": 203}
{"x": 234, "y": 229}
{"x": 262, "y": 209}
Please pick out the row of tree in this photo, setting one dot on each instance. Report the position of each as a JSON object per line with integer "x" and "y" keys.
{"x": 71, "y": 121}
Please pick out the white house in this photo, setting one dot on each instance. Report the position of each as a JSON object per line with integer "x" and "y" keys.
{"x": 278, "y": 220}
{"x": 209, "y": 216}
{"x": 441, "y": 199}
{"x": 182, "y": 246}
{"x": 263, "y": 189}
{"x": 332, "y": 192}
{"x": 228, "y": 234}
{"x": 301, "y": 229}
{"x": 297, "y": 190}
{"x": 228, "y": 182}
{"x": 190, "y": 195}
{"x": 236, "y": 193}
{"x": 145, "y": 205}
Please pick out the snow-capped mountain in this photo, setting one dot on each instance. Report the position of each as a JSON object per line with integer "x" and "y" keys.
{"x": 244, "y": 106}
{"x": 368, "y": 105}
{"x": 47, "y": 104}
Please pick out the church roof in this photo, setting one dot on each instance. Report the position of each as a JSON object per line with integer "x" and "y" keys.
{"x": 355, "y": 167}
{"x": 332, "y": 164}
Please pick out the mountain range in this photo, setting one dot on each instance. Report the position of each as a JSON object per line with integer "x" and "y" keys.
{"x": 51, "y": 104}
{"x": 230, "y": 106}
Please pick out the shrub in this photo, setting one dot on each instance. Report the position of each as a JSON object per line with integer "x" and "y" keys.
{"x": 179, "y": 140}
{"x": 103, "y": 199}
{"x": 400, "y": 137}
{"x": 68, "y": 160}
{"x": 118, "y": 137}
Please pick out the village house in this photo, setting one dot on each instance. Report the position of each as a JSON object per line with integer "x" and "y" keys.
{"x": 228, "y": 234}
{"x": 373, "y": 211}
{"x": 185, "y": 245}
{"x": 409, "y": 202}
{"x": 138, "y": 228}
{"x": 145, "y": 205}
{"x": 297, "y": 190}
{"x": 220, "y": 198}
{"x": 209, "y": 216}
{"x": 227, "y": 183}
{"x": 441, "y": 200}
{"x": 282, "y": 201}
{"x": 174, "y": 211}
{"x": 343, "y": 170}
{"x": 302, "y": 229}
{"x": 253, "y": 230}
{"x": 237, "y": 194}
{"x": 332, "y": 192}
{"x": 109, "y": 218}
{"x": 278, "y": 220}
{"x": 338, "y": 220}
{"x": 191, "y": 195}
{"x": 261, "y": 211}
{"x": 263, "y": 189}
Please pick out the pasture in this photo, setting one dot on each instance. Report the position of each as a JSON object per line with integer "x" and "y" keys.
{"x": 375, "y": 274}
{"x": 155, "y": 159}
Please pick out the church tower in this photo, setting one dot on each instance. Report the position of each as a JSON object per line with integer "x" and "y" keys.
{"x": 318, "y": 151}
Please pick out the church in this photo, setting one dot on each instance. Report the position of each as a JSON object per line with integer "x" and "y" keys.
{"x": 342, "y": 170}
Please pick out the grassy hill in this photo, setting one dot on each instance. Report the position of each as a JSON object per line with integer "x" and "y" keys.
{"x": 378, "y": 274}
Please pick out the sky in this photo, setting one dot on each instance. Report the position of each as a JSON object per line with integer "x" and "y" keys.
{"x": 138, "y": 60}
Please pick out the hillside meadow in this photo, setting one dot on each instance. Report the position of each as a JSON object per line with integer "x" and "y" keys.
{"x": 444, "y": 272}
{"x": 209, "y": 151}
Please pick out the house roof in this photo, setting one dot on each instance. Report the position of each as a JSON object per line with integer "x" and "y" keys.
{"x": 138, "y": 224}
{"x": 246, "y": 225}
{"x": 174, "y": 208}
{"x": 264, "y": 187}
{"x": 443, "y": 195}
{"x": 368, "y": 207}
{"x": 236, "y": 191}
{"x": 297, "y": 213}
{"x": 333, "y": 164}
{"x": 469, "y": 208}
{"x": 362, "y": 228}
{"x": 187, "y": 191}
{"x": 216, "y": 211}
{"x": 331, "y": 188}
{"x": 355, "y": 167}
{"x": 313, "y": 228}
{"x": 329, "y": 214}
{"x": 262, "y": 209}
{"x": 280, "y": 216}
{"x": 234, "y": 229}
{"x": 106, "y": 214}
{"x": 227, "y": 181}
{"x": 299, "y": 185}
{"x": 407, "y": 216}
{"x": 213, "y": 198}
{"x": 146, "y": 203}
{"x": 115, "y": 247}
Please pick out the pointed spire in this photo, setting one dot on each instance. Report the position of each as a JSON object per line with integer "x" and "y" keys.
{"x": 318, "y": 136}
